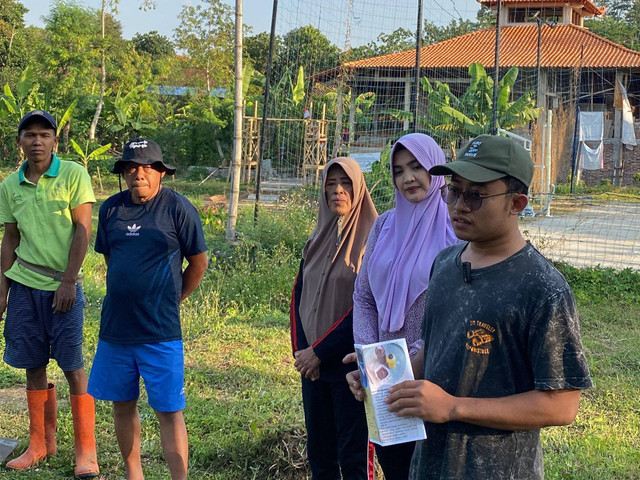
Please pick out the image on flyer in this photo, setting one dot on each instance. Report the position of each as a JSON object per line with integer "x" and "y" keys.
{"x": 382, "y": 365}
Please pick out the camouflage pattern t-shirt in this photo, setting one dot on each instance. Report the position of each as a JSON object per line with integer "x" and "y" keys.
{"x": 501, "y": 330}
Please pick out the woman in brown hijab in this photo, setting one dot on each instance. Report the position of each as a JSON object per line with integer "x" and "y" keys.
{"x": 322, "y": 325}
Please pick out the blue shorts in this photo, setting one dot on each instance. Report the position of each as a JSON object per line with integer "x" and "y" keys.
{"x": 33, "y": 333}
{"x": 117, "y": 368}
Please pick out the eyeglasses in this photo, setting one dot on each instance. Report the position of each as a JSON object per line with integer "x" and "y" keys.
{"x": 473, "y": 200}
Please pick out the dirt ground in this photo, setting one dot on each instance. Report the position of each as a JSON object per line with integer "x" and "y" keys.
{"x": 587, "y": 234}
{"x": 14, "y": 398}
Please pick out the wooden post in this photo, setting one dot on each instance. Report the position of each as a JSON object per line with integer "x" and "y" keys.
{"x": 407, "y": 98}
{"x": 337, "y": 137}
{"x": 617, "y": 135}
{"x": 322, "y": 138}
{"x": 547, "y": 164}
{"x": 99, "y": 179}
{"x": 352, "y": 119}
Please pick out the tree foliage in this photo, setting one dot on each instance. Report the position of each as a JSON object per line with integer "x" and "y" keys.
{"x": 71, "y": 55}
{"x": 402, "y": 39}
{"x": 68, "y": 56}
{"x": 256, "y": 48}
{"x": 309, "y": 48}
{"x": 620, "y": 24}
{"x": 13, "y": 45}
{"x": 206, "y": 34}
{"x": 154, "y": 44}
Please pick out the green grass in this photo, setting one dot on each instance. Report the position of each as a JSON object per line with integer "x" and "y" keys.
{"x": 604, "y": 191}
{"x": 244, "y": 413}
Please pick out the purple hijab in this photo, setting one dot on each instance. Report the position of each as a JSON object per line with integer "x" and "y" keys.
{"x": 411, "y": 237}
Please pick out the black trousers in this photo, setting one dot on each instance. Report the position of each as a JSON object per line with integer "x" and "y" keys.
{"x": 337, "y": 436}
{"x": 395, "y": 460}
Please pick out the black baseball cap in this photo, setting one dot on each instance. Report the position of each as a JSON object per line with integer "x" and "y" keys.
{"x": 37, "y": 115}
{"x": 144, "y": 152}
{"x": 490, "y": 157}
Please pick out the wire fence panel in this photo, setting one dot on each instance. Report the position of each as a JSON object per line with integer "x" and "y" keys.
{"x": 344, "y": 83}
{"x": 588, "y": 233}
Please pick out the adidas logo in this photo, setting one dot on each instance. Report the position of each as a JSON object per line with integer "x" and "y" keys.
{"x": 133, "y": 230}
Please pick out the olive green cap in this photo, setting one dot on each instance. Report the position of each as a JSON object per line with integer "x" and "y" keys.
{"x": 487, "y": 158}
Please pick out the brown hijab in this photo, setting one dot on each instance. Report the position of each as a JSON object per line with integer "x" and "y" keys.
{"x": 330, "y": 268}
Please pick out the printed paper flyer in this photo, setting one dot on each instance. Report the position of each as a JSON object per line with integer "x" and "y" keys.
{"x": 382, "y": 365}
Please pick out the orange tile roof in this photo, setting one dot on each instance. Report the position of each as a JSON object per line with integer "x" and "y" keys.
{"x": 589, "y": 6}
{"x": 561, "y": 46}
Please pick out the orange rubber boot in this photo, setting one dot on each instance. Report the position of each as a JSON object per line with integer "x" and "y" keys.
{"x": 37, "y": 450}
{"x": 84, "y": 420}
{"x": 51, "y": 420}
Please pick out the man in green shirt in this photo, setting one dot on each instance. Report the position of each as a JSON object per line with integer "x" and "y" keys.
{"x": 46, "y": 210}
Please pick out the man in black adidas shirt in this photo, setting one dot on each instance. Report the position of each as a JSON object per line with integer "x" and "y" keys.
{"x": 145, "y": 233}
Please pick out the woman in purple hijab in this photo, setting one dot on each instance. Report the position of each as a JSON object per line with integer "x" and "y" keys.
{"x": 390, "y": 290}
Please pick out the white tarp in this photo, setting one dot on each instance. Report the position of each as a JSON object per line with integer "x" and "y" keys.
{"x": 628, "y": 131}
{"x": 591, "y": 159}
{"x": 591, "y": 126}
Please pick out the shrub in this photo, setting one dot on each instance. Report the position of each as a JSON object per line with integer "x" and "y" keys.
{"x": 197, "y": 174}
{"x": 597, "y": 285}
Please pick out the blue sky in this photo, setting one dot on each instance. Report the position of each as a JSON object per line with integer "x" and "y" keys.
{"x": 164, "y": 18}
{"x": 363, "y": 23}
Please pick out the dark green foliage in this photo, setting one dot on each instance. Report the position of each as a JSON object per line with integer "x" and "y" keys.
{"x": 620, "y": 24}
{"x": 256, "y": 48}
{"x": 154, "y": 44}
{"x": 309, "y": 48}
{"x": 14, "y": 53}
{"x": 197, "y": 174}
{"x": 189, "y": 135}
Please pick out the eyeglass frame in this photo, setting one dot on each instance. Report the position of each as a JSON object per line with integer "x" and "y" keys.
{"x": 446, "y": 188}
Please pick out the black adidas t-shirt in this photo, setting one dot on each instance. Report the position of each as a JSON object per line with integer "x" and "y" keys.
{"x": 146, "y": 244}
{"x": 511, "y": 328}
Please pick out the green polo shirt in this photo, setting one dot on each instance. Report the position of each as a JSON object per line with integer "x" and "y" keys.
{"x": 42, "y": 212}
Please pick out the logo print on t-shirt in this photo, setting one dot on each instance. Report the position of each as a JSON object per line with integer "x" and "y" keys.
{"x": 133, "y": 230}
{"x": 480, "y": 335}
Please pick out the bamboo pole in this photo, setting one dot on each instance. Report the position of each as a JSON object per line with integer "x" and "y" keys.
{"x": 237, "y": 128}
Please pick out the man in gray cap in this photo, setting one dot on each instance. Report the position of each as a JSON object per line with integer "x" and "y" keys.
{"x": 144, "y": 234}
{"x": 502, "y": 355}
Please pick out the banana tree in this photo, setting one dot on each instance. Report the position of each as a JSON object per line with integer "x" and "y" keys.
{"x": 297, "y": 91}
{"x": 83, "y": 156}
{"x": 362, "y": 104}
{"x": 450, "y": 118}
{"x": 28, "y": 97}
{"x": 130, "y": 114}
